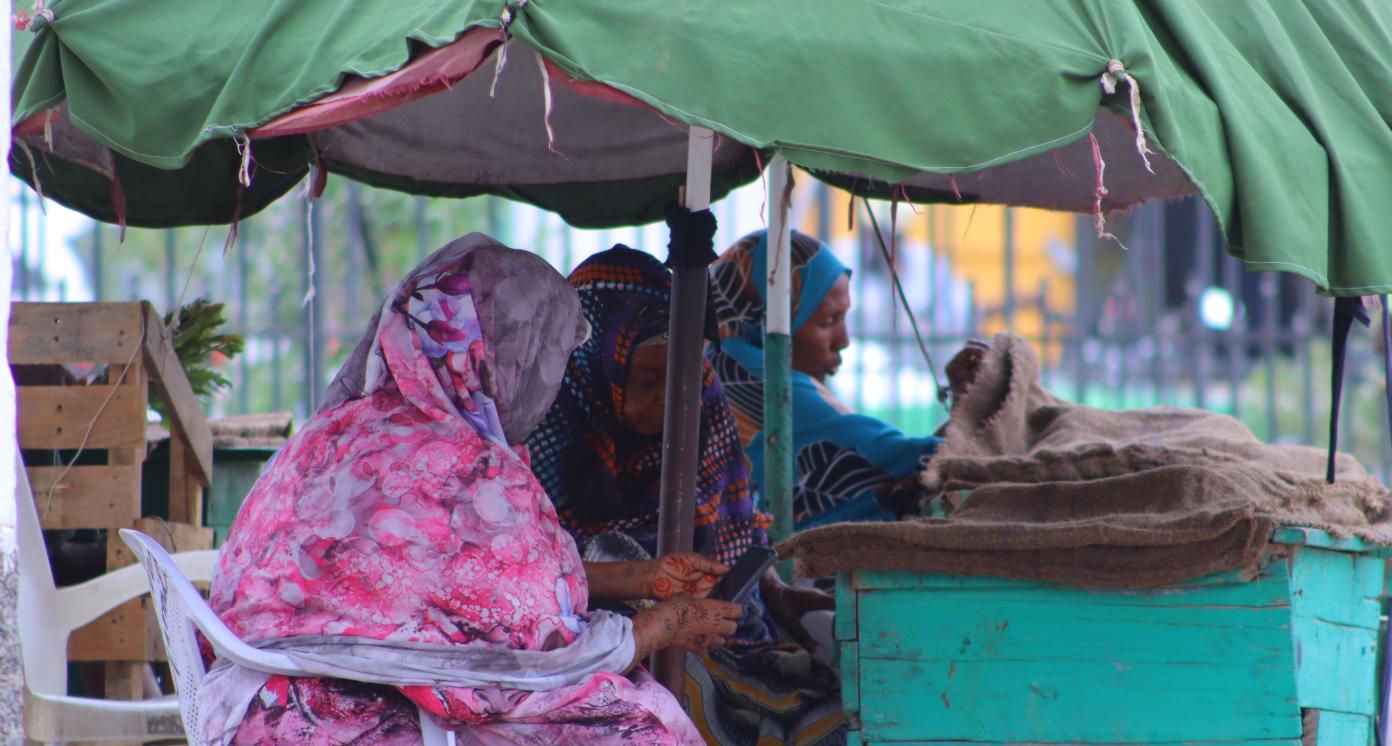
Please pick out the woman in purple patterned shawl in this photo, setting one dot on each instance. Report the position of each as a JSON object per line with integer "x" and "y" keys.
{"x": 599, "y": 455}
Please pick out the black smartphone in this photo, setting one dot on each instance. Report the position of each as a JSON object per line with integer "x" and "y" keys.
{"x": 743, "y": 578}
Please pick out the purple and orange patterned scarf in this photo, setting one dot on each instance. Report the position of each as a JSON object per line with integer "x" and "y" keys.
{"x": 601, "y": 475}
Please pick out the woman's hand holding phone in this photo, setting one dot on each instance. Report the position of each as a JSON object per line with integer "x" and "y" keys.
{"x": 687, "y": 573}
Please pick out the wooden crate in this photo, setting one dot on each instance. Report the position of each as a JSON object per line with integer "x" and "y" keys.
{"x": 106, "y": 423}
{"x": 1290, "y": 657}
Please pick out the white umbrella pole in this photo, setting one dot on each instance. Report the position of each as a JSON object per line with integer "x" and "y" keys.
{"x": 700, "y": 152}
{"x": 778, "y": 357}
{"x": 681, "y": 431}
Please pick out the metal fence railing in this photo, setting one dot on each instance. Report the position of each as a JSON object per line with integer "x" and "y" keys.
{"x": 1168, "y": 320}
{"x": 1173, "y": 321}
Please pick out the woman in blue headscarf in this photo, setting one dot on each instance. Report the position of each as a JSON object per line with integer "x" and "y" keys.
{"x": 846, "y": 464}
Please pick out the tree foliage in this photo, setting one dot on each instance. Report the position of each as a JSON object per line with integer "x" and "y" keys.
{"x": 197, "y": 333}
{"x": 366, "y": 238}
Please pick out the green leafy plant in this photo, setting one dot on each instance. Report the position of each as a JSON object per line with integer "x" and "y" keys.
{"x": 196, "y": 338}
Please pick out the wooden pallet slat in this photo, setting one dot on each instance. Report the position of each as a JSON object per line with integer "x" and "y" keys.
{"x": 129, "y": 632}
{"x": 110, "y": 417}
{"x": 185, "y": 488}
{"x": 51, "y": 333}
{"x": 174, "y": 537}
{"x": 168, "y": 377}
{"x": 59, "y": 417}
{"x": 86, "y": 496}
{"x": 125, "y": 680}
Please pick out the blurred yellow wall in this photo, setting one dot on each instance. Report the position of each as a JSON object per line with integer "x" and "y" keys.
{"x": 973, "y": 238}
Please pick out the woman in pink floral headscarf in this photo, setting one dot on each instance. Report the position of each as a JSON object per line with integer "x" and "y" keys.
{"x": 401, "y": 538}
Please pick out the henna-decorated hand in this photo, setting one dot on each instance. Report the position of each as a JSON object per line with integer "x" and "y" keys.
{"x": 674, "y": 575}
{"x": 694, "y": 624}
{"x": 686, "y": 573}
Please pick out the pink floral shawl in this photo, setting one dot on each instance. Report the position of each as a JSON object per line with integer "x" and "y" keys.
{"x": 401, "y": 513}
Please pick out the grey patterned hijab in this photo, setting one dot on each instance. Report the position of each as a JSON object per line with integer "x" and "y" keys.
{"x": 529, "y": 315}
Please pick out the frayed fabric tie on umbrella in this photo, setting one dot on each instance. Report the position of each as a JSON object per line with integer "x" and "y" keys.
{"x": 1099, "y": 167}
{"x": 505, "y": 20}
{"x": 34, "y": 168}
{"x": 1116, "y": 70}
{"x": 547, "y": 106}
{"x": 509, "y": 15}
{"x": 244, "y": 171}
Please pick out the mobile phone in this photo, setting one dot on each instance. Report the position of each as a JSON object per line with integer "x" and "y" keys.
{"x": 743, "y": 578}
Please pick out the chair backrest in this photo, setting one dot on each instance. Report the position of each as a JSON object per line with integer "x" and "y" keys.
{"x": 181, "y": 610}
{"x": 43, "y": 642}
{"x": 177, "y": 629}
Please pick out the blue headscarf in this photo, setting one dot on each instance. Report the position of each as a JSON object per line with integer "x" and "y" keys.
{"x": 841, "y": 459}
{"x": 814, "y": 272}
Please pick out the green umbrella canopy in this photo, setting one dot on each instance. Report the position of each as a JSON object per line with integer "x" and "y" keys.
{"x": 149, "y": 102}
{"x": 1276, "y": 113}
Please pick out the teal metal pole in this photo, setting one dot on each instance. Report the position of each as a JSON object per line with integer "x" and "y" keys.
{"x": 243, "y": 318}
{"x": 778, "y": 360}
{"x": 170, "y": 270}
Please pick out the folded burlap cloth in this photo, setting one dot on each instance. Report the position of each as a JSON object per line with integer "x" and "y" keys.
{"x": 1082, "y": 496}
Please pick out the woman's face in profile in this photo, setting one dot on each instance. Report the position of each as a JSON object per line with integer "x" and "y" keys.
{"x": 817, "y": 345}
{"x": 645, "y": 395}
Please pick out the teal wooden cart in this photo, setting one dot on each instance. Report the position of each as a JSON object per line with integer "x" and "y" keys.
{"x": 1293, "y": 653}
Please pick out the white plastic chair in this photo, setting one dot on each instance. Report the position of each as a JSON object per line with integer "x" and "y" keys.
{"x": 48, "y": 615}
{"x": 182, "y": 612}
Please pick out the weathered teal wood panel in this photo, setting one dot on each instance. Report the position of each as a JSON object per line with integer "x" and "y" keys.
{"x": 1313, "y": 537}
{"x": 1279, "y": 742}
{"x": 1337, "y": 587}
{"x": 1342, "y": 729}
{"x": 874, "y": 580}
{"x": 1014, "y": 701}
{"x": 850, "y": 678}
{"x": 1226, "y": 659}
{"x": 913, "y": 625}
{"x": 1270, "y": 589}
{"x": 844, "y": 624}
{"x": 1337, "y": 667}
